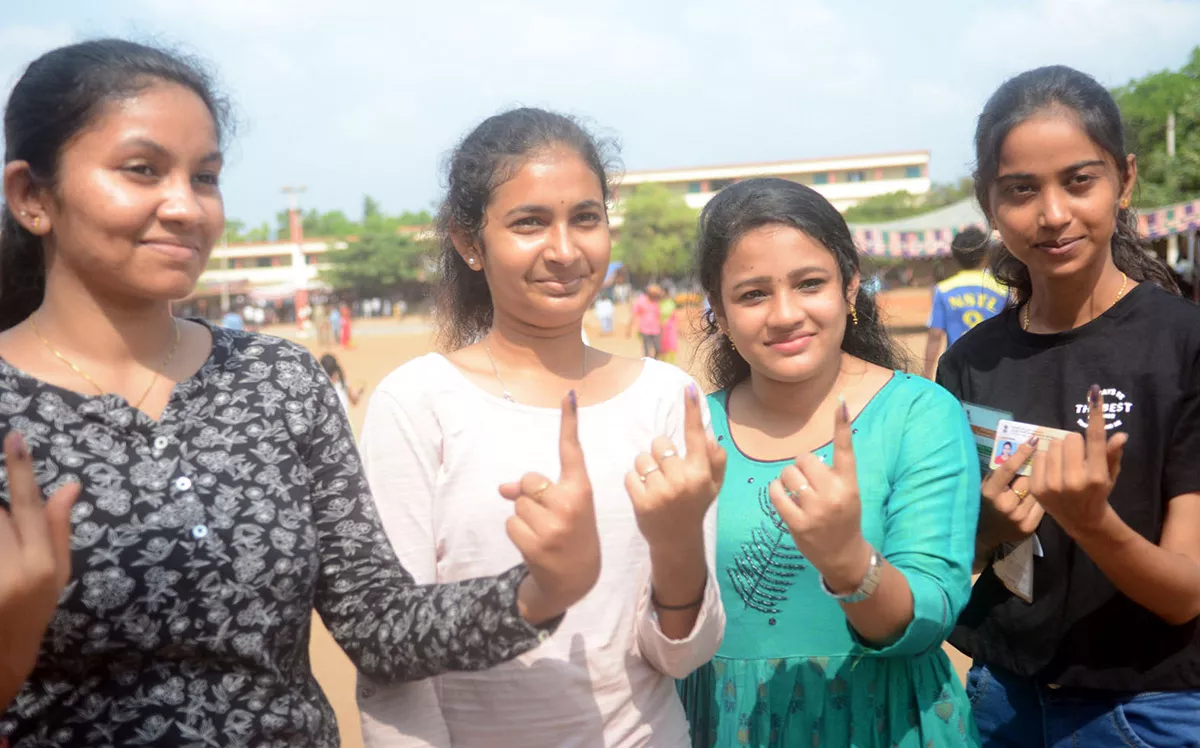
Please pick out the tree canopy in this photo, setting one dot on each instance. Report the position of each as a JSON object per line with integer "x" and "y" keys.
{"x": 658, "y": 232}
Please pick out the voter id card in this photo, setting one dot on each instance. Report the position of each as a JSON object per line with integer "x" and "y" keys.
{"x": 1010, "y": 435}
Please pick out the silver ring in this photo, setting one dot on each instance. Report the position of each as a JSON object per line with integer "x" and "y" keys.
{"x": 648, "y": 472}
{"x": 668, "y": 453}
{"x": 793, "y": 495}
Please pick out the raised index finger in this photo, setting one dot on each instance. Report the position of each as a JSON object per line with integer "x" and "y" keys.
{"x": 1097, "y": 438}
{"x": 570, "y": 451}
{"x": 843, "y": 443}
{"x": 694, "y": 435}
{"x": 25, "y": 497}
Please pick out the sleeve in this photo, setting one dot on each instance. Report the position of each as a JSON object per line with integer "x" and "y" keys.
{"x": 391, "y": 628}
{"x": 401, "y": 451}
{"x": 929, "y": 528}
{"x": 937, "y": 313}
{"x": 1181, "y": 471}
{"x": 677, "y": 658}
{"x": 949, "y": 374}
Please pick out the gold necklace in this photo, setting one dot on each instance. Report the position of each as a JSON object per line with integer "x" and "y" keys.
{"x": 508, "y": 395}
{"x": 1124, "y": 283}
{"x": 154, "y": 380}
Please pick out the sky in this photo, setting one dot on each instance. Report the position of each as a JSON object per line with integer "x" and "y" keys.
{"x": 367, "y": 97}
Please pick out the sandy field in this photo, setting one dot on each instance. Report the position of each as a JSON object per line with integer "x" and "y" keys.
{"x": 382, "y": 345}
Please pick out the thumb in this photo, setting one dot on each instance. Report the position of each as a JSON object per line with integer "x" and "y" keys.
{"x": 570, "y": 451}
{"x": 717, "y": 459}
{"x": 1114, "y": 450}
{"x": 58, "y": 519}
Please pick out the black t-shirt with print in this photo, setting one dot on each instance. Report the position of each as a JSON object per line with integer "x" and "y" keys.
{"x": 1144, "y": 353}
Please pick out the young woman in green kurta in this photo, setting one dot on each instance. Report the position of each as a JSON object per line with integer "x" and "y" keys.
{"x": 842, "y": 570}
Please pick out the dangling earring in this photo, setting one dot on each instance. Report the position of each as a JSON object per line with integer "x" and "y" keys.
{"x": 731, "y": 345}
{"x": 854, "y": 316}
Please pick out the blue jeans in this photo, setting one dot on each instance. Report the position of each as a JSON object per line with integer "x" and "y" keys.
{"x": 1015, "y": 712}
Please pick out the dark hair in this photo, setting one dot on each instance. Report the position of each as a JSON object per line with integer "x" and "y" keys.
{"x": 60, "y": 94}
{"x": 331, "y": 366}
{"x": 751, "y": 204}
{"x": 488, "y": 157}
{"x": 1022, "y": 97}
{"x": 969, "y": 247}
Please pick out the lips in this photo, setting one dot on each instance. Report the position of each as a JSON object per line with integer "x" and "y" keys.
{"x": 562, "y": 285}
{"x": 1060, "y": 246}
{"x": 172, "y": 249}
{"x": 792, "y": 344}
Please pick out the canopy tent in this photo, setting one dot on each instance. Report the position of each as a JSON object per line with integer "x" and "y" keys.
{"x": 930, "y": 234}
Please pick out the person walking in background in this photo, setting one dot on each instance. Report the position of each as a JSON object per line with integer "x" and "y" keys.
{"x": 669, "y": 315}
{"x": 320, "y": 320}
{"x": 964, "y": 299}
{"x": 349, "y": 397}
{"x": 345, "y": 321}
{"x": 604, "y": 313}
{"x": 232, "y": 320}
{"x": 647, "y": 318}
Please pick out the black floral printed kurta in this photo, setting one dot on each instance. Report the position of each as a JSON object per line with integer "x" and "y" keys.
{"x": 201, "y": 544}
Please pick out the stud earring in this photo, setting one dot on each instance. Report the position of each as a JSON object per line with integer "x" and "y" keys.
{"x": 37, "y": 222}
{"x": 1124, "y": 203}
{"x": 471, "y": 261}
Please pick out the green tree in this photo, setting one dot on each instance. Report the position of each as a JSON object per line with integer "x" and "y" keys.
{"x": 378, "y": 263}
{"x": 1145, "y": 104}
{"x": 658, "y": 232}
{"x": 260, "y": 234}
{"x": 902, "y": 204}
{"x": 234, "y": 231}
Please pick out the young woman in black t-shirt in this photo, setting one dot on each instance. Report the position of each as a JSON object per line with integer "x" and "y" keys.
{"x": 1098, "y": 343}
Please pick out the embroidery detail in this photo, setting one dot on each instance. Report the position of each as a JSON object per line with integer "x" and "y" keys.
{"x": 768, "y": 562}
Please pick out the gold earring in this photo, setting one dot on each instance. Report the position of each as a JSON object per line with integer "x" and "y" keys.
{"x": 1124, "y": 203}
{"x": 854, "y": 315}
{"x": 37, "y": 222}
{"x": 731, "y": 345}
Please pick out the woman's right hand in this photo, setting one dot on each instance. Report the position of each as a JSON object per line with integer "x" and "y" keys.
{"x": 1009, "y": 513}
{"x": 554, "y": 527}
{"x": 35, "y": 564}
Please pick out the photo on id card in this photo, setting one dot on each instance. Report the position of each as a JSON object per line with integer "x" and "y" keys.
{"x": 1010, "y": 435}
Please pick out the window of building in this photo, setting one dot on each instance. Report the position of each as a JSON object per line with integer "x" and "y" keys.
{"x": 912, "y": 172}
{"x": 716, "y": 184}
{"x": 821, "y": 178}
{"x": 856, "y": 176}
{"x": 693, "y": 187}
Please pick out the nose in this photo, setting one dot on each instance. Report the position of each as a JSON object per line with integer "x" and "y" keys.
{"x": 1055, "y": 210}
{"x": 785, "y": 309}
{"x": 560, "y": 245}
{"x": 179, "y": 203}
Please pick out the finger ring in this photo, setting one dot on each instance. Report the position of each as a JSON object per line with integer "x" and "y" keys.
{"x": 668, "y": 453}
{"x": 538, "y": 493}
{"x": 796, "y": 494}
{"x": 1021, "y": 494}
{"x": 648, "y": 472}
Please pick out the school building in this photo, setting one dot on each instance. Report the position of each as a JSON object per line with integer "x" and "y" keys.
{"x": 844, "y": 181}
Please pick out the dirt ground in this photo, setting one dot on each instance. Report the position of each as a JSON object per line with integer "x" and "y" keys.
{"x": 382, "y": 345}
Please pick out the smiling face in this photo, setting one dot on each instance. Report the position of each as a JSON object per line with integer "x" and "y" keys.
{"x": 136, "y": 208}
{"x": 783, "y": 304}
{"x": 1057, "y": 194}
{"x": 545, "y": 242}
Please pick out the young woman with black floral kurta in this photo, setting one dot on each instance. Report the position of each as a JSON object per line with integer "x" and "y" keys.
{"x": 221, "y": 497}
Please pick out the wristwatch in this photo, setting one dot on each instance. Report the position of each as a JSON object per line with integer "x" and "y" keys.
{"x": 866, "y": 588}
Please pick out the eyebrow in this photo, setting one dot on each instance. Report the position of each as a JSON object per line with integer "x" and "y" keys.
{"x": 1073, "y": 167}
{"x": 534, "y": 208}
{"x": 211, "y": 157}
{"x": 762, "y": 279}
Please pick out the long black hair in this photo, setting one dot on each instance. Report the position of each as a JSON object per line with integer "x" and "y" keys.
{"x": 488, "y": 157}
{"x": 1022, "y": 97}
{"x": 60, "y": 94}
{"x": 745, "y": 206}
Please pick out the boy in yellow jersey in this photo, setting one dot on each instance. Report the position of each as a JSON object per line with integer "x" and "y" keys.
{"x": 964, "y": 299}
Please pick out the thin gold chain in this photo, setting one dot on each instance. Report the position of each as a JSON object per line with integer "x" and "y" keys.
{"x": 1124, "y": 283}
{"x": 508, "y": 395}
{"x": 154, "y": 380}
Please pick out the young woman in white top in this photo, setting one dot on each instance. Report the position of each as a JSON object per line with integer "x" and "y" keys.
{"x": 524, "y": 248}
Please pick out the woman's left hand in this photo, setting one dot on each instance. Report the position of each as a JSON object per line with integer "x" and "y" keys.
{"x": 1072, "y": 478}
{"x": 672, "y": 493}
{"x": 821, "y": 507}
